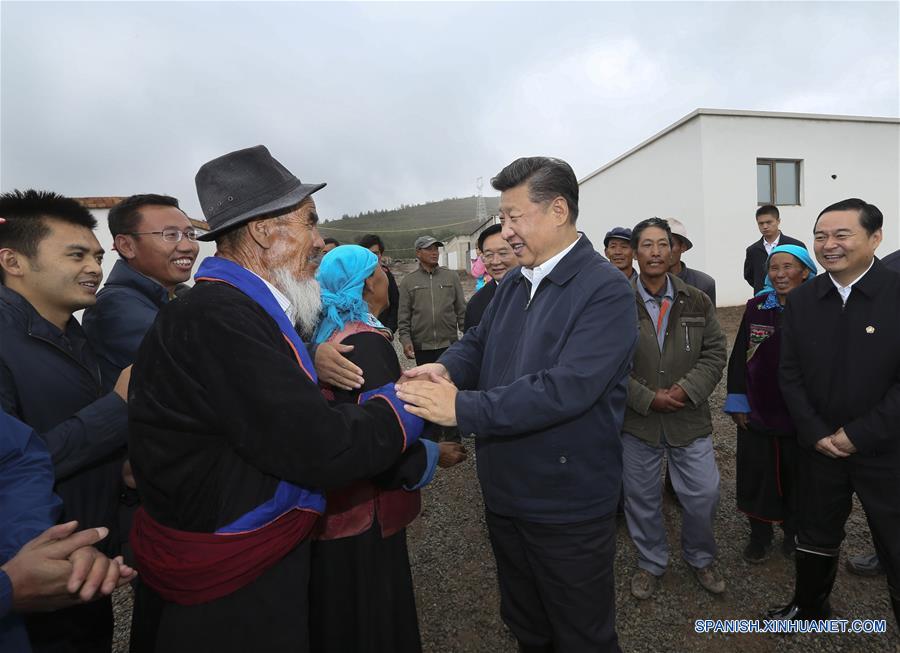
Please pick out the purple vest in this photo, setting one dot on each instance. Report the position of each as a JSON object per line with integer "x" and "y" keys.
{"x": 767, "y": 407}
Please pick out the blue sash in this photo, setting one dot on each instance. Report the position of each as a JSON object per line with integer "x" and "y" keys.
{"x": 287, "y": 495}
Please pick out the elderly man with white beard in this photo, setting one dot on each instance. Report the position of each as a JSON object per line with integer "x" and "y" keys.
{"x": 231, "y": 442}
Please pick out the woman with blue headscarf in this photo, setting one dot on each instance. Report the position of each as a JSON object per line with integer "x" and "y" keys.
{"x": 361, "y": 593}
{"x": 766, "y": 437}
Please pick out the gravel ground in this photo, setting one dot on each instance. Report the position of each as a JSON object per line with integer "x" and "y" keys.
{"x": 458, "y": 601}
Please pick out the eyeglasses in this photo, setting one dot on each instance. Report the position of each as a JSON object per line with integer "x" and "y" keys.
{"x": 169, "y": 235}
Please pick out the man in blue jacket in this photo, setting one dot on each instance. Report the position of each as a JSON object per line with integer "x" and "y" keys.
{"x": 157, "y": 247}
{"x": 543, "y": 383}
{"x": 50, "y": 379}
{"x": 42, "y": 567}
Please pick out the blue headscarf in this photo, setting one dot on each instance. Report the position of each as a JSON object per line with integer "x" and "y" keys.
{"x": 342, "y": 275}
{"x": 797, "y": 252}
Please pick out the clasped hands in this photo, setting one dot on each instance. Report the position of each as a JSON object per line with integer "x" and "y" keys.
{"x": 60, "y": 568}
{"x": 428, "y": 392}
{"x": 836, "y": 445}
{"x": 669, "y": 400}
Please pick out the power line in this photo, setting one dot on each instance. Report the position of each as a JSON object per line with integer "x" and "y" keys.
{"x": 323, "y": 227}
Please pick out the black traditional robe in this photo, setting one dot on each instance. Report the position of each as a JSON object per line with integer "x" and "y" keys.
{"x": 219, "y": 413}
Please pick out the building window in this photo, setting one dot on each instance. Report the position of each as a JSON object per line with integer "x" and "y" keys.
{"x": 777, "y": 182}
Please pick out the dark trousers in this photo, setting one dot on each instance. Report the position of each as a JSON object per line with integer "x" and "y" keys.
{"x": 434, "y": 432}
{"x": 825, "y": 503}
{"x": 557, "y": 591}
{"x": 86, "y": 628}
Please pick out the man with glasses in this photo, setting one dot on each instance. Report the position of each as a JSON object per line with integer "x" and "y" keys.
{"x": 157, "y": 247}
{"x": 498, "y": 259}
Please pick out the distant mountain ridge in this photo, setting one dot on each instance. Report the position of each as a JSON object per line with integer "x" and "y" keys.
{"x": 400, "y": 227}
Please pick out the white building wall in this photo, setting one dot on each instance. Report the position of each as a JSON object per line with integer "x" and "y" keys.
{"x": 661, "y": 179}
{"x": 703, "y": 172}
{"x": 863, "y": 155}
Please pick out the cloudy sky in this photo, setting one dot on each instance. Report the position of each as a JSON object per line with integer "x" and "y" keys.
{"x": 407, "y": 102}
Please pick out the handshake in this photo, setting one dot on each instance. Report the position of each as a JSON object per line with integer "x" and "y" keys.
{"x": 428, "y": 392}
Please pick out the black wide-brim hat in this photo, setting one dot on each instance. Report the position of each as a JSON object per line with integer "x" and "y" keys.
{"x": 246, "y": 184}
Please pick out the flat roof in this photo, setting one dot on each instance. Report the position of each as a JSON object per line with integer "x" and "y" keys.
{"x": 740, "y": 114}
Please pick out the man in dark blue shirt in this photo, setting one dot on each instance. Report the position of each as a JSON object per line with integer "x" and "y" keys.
{"x": 543, "y": 382}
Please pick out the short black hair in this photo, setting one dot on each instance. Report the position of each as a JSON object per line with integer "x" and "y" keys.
{"x": 26, "y": 213}
{"x": 547, "y": 178}
{"x": 125, "y": 216}
{"x": 331, "y": 241}
{"x": 493, "y": 230}
{"x": 870, "y": 216}
{"x": 646, "y": 224}
{"x": 371, "y": 239}
{"x": 768, "y": 209}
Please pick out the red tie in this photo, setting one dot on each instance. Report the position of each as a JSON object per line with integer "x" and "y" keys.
{"x": 663, "y": 307}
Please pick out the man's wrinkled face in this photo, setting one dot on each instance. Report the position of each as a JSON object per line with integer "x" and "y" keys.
{"x": 65, "y": 272}
{"x": 653, "y": 252}
{"x": 843, "y": 246}
{"x": 296, "y": 244}
{"x": 768, "y": 226}
{"x": 528, "y": 227}
{"x": 150, "y": 254}
{"x": 677, "y": 249}
{"x": 620, "y": 254}
{"x": 497, "y": 256}
{"x": 428, "y": 256}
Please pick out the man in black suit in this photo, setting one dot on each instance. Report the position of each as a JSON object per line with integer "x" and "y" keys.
{"x": 768, "y": 221}
{"x": 840, "y": 377}
{"x": 498, "y": 259}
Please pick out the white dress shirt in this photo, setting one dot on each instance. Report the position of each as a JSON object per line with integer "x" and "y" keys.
{"x": 283, "y": 301}
{"x": 844, "y": 291}
{"x": 770, "y": 246}
{"x": 536, "y": 274}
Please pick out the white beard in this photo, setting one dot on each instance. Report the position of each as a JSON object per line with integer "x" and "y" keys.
{"x": 305, "y": 297}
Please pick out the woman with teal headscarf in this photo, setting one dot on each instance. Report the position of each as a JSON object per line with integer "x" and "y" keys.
{"x": 766, "y": 436}
{"x": 361, "y": 593}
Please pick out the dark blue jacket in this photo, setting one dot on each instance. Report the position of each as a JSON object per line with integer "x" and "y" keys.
{"x": 50, "y": 380}
{"x": 28, "y": 507}
{"x": 125, "y": 309}
{"x": 550, "y": 378}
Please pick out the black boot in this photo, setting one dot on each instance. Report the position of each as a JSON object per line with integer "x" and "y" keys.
{"x": 815, "y": 578}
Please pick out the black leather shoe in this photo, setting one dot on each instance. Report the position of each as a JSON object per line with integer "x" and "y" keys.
{"x": 812, "y": 587}
{"x": 865, "y": 565}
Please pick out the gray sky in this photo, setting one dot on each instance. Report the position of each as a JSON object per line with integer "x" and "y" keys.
{"x": 406, "y": 102}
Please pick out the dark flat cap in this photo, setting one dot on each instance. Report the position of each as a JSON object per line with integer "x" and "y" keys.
{"x": 246, "y": 184}
{"x": 623, "y": 233}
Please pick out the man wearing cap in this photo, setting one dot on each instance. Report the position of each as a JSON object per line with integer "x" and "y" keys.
{"x": 617, "y": 247}
{"x": 680, "y": 244}
{"x": 231, "y": 442}
{"x": 432, "y": 306}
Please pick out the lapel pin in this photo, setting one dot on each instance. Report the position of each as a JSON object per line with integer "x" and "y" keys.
{"x": 870, "y": 329}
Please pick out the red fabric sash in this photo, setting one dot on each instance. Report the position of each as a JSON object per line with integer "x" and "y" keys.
{"x": 189, "y": 568}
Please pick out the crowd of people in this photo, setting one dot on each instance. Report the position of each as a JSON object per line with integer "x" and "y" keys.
{"x": 247, "y": 453}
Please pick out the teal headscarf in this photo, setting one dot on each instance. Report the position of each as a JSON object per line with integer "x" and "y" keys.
{"x": 799, "y": 253}
{"x": 342, "y": 275}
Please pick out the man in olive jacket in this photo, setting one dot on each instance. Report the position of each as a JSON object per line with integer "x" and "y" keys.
{"x": 432, "y": 306}
{"x": 679, "y": 360}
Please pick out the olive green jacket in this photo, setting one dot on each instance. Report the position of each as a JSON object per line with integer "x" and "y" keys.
{"x": 693, "y": 356}
{"x": 432, "y": 308}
